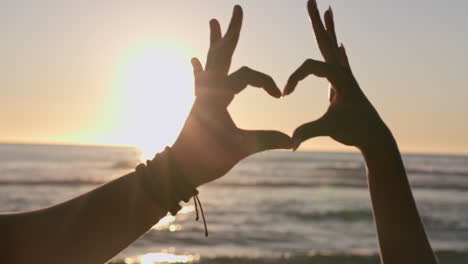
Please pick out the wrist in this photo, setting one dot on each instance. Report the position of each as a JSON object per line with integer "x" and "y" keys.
{"x": 184, "y": 160}
{"x": 377, "y": 138}
{"x": 163, "y": 181}
{"x": 381, "y": 151}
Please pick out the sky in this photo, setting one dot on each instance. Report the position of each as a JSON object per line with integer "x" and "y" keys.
{"x": 118, "y": 72}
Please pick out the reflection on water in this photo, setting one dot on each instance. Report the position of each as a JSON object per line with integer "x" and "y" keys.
{"x": 164, "y": 223}
{"x": 186, "y": 209}
{"x": 167, "y": 221}
{"x": 174, "y": 228}
{"x": 162, "y": 257}
{"x": 166, "y": 256}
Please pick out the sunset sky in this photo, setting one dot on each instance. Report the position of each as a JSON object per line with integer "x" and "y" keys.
{"x": 118, "y": 72}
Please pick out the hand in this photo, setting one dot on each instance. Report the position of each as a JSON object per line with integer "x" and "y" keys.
{"x": 350, "y": 119}
{"x": 210, "y": 144}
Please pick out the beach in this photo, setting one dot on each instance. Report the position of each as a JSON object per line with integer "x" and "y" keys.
{"x": 275, "y": 207}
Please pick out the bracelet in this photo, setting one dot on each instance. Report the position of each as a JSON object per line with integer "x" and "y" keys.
{"x": 166, "y": 185}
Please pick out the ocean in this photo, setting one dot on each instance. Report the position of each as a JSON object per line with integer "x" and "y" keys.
{"x": 274, "y": 207}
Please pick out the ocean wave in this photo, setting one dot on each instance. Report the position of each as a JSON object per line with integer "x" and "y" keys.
{"x": 252, "y": 184}
{"x": 443, "y": 172}
{"x": 51, "y": 182}
{"x": 336, "y": 184}
{"x": 124, "y": 164}
{"x": 358, "y": 257}
{"x": 342, "y": 168}
{"x": 285, "y": 184}
{"x": 344, "y": 215}
{"x": 409, "y": 170}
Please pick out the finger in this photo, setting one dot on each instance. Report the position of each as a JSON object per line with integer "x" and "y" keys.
{"x": 330, "y": 27}
{"x": 261, "y": 140}
{"x": 197, "y": 68}
{"x": 231, "y": 38}
{"x": 215, "y": 32}
{"x": 309, "y": 130}
{"x": 239, "y": 80}
{"x": 235, "y": 25}
{"x": 343, "y": 56}
{"x": 196, "y": 65}
{"x": 215, "y": 36}
{"x": 321, "y": 35}
{"x": 317, "y": 68}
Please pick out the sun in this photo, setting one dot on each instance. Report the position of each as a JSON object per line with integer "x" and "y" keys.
{"x": 155, "y": 83}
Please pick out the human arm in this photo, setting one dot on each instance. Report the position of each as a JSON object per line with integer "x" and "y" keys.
{"x": 95, "y": 226}
{"x": 401, "y": 234}
{"x": 352, "y": 120}
{"x": 90, "y": 228}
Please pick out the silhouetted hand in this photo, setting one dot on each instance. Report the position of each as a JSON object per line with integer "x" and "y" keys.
{"x": 210, "y": 144}
{"x": 350, "y": 119}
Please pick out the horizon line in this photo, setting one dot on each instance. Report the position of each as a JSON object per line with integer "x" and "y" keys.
{"x": 90, "y": 144}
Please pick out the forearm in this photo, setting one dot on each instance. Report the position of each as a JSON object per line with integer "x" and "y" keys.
{"x": 401, "y": 234}
{"x": 91, "y": 228}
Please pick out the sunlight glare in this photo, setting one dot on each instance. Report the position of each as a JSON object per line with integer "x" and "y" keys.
{"x": 156, "y": 86}
{"x": 166, "y": 258}
{"x": 163, "y": 257}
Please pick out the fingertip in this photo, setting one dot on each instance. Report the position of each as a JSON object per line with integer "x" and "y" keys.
{"x": 289, "y": 88}
{"x": 197, "y": 67}
{"x": 342, "y": 49}
{"x": 296, "y": 143}
{"x": 273, "y": 90}
{"x": 237, "y": 9}
{"x": 214, "y": 24}
{"x": 277, "y": 93}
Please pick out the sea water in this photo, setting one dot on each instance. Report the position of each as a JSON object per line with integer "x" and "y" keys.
{"x": 275, "y": 207}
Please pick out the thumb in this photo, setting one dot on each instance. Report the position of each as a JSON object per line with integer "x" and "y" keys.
{"x": 317, "y": 128}
{"x": 197, "y": 66}
{"x": 261, "y": 140}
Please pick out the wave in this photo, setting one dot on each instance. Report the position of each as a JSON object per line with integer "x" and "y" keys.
{"x": 358, "y": 257}
{"x": 444, "y": 172}
{"x": 124, "y": 164}
{"x": 51, "y": 182}
{"x": 253, "y": 184}
{"x": 284, "y": 184}
{"x": 322, "y": 183}
{"x": 448, "y": 257}
{"x": 346, "y": 215}
{"x": 342, "y": 184}
{"x": 423, "y": 171}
